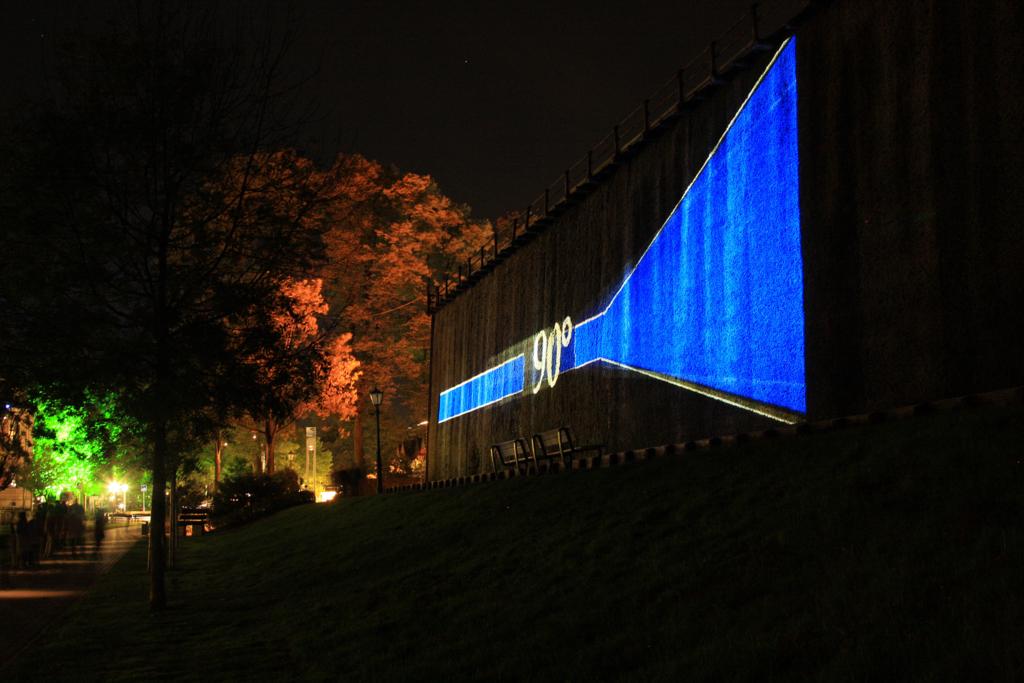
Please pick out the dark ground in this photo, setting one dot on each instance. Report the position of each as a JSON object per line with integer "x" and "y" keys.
{"x": 33, "y": 601}
{"x": 890, "y": 551}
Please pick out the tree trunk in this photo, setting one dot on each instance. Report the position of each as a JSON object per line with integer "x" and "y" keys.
{"x": 357, "y": 441}
{"x": 269, "y": 432}
{"x": 218, "y": 451}
{"x": 157, "y": 519}
{"x": 257, "y": 462}
{"x": 172, "y": 514}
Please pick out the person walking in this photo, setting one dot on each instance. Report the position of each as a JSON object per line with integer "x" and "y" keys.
{"x": 99, "y": 530}
{"x": 6, "y": 556}
{"x": 15, "y": 545}
{"x": 58, "y": 524}
{"x": 28, "y": 540}
{"x": 76, "y": 527}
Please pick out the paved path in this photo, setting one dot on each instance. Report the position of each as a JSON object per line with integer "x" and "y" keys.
{"x": 33, "y": 598}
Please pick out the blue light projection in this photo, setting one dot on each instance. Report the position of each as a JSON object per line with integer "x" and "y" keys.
{"x": 715, "y": 303}
{"x": 490, "y": 386}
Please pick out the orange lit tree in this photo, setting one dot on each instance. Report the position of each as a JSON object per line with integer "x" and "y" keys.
{"x": 310, "y": 371}
{"x": 389, "y": 233}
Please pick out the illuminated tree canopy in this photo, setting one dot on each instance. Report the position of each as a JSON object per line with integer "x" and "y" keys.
{"x": 71, "y": 444}
{"x": 391, "y": 231}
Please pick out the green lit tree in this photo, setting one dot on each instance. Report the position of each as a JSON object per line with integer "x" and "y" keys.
{"x": 67, "y": 454}
{"x": 292, "y": 454}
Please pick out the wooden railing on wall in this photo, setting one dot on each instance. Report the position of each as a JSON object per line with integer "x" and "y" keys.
{"x": 755, "y": 32}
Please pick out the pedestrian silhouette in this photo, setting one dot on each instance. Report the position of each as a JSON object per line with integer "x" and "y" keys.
{"x": 28, "y": 539}
{"x": 7, "y": 550}
{"x": 76, "y": 527}
{"x": 99, "y": 530}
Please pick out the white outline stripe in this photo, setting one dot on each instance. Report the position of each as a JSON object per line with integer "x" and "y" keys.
{"x": 759, "y": 407}
{"x": 695, "y": 179}
{"x": 482, "y": 405}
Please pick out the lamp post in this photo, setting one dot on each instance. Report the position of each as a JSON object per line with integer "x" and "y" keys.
{"x": 144, "y": 497}
{"x": 124, "y": 494}
{"x": 376, "y": 396}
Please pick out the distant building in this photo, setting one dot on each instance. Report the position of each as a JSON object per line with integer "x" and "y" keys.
{"x": 13, "y": 500}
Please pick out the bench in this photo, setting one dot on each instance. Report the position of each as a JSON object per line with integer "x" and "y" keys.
{"x": 511, "y": 454}
{"x": 558, "y": 443}
{"x": 193, "y": 517}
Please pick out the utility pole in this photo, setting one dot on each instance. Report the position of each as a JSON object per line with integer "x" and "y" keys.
{"x": 311, "y": 450}
{"x": 376, "y": 396}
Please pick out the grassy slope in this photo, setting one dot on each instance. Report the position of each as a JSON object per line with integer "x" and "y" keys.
{"x": 887, "y": 551}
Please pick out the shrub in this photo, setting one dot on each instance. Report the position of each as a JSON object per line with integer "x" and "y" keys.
{"x": 248, "y": 496}
{"x": 347, "y": 480}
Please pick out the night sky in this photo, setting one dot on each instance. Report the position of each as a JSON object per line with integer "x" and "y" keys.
{"x": 493, "y": 99}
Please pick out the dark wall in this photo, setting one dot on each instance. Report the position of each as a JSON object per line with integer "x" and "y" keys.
{"x": 912, "y": 185}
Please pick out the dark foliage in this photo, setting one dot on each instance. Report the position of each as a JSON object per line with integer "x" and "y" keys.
{"x": 347, "y": 480}
{"x": 249, "y": 496}
{"x": 149, "y": 227}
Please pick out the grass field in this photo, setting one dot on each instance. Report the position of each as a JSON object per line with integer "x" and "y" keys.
{"x": 890, "y": 551}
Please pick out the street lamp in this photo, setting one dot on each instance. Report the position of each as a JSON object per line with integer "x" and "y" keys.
{"x": 144, "y": 487}
{"x": 376, "y": 396}
{"x": 114, "y": 488}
